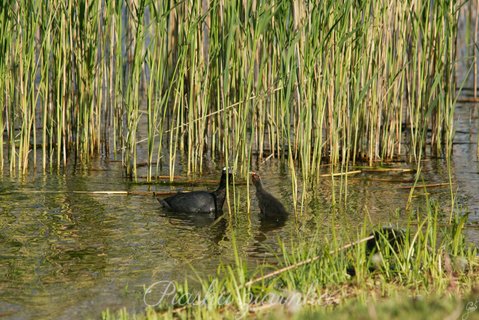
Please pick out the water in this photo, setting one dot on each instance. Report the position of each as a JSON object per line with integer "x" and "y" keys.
{"x": 66, "y": 255}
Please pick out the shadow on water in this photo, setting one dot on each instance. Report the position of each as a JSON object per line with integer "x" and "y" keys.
{"x": 266, "y": 225}
{"x": 214, "y": 229}
{"x": 265, "y": 239}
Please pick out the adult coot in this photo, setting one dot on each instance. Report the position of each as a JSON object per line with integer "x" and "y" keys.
{"x": 385, "y": 237}
{"x": 270, "y": 207}
{"x": 199, "y": 201}
{"x": 382, "y": 241}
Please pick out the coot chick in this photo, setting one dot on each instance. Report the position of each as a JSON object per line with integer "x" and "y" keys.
{"x": 199, "y": 201}
{"x": 270, "y": 207}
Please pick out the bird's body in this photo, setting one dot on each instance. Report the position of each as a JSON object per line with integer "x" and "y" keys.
{"x": 192, "y": 202}
{"x": 383, "y": 243}
{"x": 270, "y": 207}
{"x": 385, "y": 237}
{"x": 199, "y": 201}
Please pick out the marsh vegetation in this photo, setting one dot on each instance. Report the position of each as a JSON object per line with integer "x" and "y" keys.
{"x": 201, "y": 80}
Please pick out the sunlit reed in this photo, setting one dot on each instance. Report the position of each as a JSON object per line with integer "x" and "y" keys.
{"x": 185, "y": 82}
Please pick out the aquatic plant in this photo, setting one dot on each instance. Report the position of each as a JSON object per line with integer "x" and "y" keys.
{"x": 184, "y": 80}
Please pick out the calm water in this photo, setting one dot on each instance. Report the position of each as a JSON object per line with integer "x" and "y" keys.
{"x": 66, "y": 255}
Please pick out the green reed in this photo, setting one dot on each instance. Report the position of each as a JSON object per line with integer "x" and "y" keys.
{"x": 308, "y": 82}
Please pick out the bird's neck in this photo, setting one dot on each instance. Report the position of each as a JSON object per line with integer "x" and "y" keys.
{"x": 259, "y": 186}
{"x": 220, "y": 196}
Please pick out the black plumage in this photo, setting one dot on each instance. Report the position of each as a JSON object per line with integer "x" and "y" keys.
{"x": 199, "y": 201}
{"x": 270, "y": 207}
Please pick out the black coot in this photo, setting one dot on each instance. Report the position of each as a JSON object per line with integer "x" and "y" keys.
{"x": 384, "y": 239}
{"x": 270, "y": 207}
{"x": 199, "y": 201}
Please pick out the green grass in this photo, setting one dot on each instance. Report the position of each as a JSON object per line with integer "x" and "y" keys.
{"x": 434, "y": 268}
{"x": 419, "y": 307}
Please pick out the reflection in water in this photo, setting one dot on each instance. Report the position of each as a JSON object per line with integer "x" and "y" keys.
{"x": 215, "y": 229}
{"x": 266, "y": 238}
{"x": 267, "y": 225}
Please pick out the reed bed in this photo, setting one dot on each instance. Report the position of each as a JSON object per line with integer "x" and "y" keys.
{"x": 171, "y": 82}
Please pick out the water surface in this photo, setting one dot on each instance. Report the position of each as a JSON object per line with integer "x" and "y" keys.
{"x": 66, "y": 255}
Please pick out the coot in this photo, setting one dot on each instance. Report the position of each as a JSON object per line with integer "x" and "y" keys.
{"x": 270, "y": 207}
{"x": 199, "y": 201}
{"x": 385, "y": 239}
